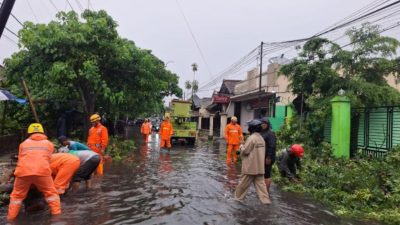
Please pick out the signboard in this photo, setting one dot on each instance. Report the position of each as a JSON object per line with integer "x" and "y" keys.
{"x": 219, "y": 99}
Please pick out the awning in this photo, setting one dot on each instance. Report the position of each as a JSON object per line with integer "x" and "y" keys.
{"x": 250, "y": 96}
{"x": 7, "y": 96}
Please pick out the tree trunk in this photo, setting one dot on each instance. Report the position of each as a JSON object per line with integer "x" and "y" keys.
{"x": 89, "y": 101}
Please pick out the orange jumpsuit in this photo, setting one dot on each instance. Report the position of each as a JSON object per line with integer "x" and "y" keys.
{"x": 33, "y": 168}
{"x": 145, "y": 130}
{"x": 98, "y": 141}
{"x": 233, "y": 136}
{"x": 63, "y": 167}
{"x": 166, "y": 131}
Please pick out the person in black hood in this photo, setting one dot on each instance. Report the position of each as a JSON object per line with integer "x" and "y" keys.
{"x": 270, "y": 150}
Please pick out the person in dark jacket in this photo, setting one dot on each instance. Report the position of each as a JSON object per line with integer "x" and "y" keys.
{"x": 289, "y": 162}
{"x": 270, "y": 150}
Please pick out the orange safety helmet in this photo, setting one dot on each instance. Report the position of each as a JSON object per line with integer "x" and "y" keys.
{"x": 297, "y": 150}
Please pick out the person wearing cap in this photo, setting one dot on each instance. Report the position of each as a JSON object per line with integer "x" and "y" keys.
{"x": 253, "y": 162}
{"x": 166, "y": 131}
{"x": 33, "y": 168}
{"x": 270, "y": 150}
{"x": 233, "y": 137}
{"x": 98, "y": 140}
{"x": 289, "y": 162}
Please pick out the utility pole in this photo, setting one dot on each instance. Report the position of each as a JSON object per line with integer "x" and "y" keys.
{"x": 5, "y": 12}
{"x": 259, "y": 85}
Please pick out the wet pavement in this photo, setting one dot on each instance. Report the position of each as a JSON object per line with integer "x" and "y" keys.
{"x": 190, "y": 185}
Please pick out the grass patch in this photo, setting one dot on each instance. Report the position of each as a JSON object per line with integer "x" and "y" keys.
{"x": 119, "y": 148}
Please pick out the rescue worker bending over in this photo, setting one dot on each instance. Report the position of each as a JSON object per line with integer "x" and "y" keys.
{"x": 145, "y": 130}
{"x": 253, "y": 162}
{"x": 166, "y": 131}
{"x": 33, "y": 168}
{"x": 89, "y": 161}
{"x": 289, "y": 162}
{"x": 233, "y": 137}
{"x": 98, "y": 140}
{"x": 63, "y": 167}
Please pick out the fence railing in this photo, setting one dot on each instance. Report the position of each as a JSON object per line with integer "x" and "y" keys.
{"x": 375, "y": 130}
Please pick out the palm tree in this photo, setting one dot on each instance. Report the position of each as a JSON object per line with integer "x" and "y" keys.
{"x": 188, "y": 86}
{"x": 194, "y": 82}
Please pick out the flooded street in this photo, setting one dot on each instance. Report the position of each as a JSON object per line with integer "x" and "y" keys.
{"x": 191, "y": 185}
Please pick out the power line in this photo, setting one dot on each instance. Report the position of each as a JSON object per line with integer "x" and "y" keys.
{"x": 33, "y": 12}
{"x": 69, "y": 3}
{"x": 79, "y": 5}
{"x": 17, "y": 19}
{"x": 12, "y": 32}
{"x": 10, "y": 39}
{"x": 193, "y": 37}
{"x": 54, "y": 5}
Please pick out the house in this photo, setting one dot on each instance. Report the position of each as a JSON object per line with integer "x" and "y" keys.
{"x": 270, "y": 100}
{"x": 220, "y": 106}
{"x": 200, "y": 112}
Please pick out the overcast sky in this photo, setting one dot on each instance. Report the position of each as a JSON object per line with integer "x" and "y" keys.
{"x": 225, "y": 29}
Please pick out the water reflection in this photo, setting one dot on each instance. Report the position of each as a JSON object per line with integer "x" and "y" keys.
{"x": 190, "y": 185}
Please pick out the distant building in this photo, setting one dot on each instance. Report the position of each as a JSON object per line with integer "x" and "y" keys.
{"x": 271, "y": 102}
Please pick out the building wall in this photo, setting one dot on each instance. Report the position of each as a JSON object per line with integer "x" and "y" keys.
{"x": 393, "y": 81}
{"x": 245, "y": 116}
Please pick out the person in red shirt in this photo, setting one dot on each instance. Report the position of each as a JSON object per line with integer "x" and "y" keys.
{"x": 146, "y": 130}
{"x": 166, "y": 131}
{"x": 233, "y": 137}
{"x": 33, "y": 168}
{"x": 98, "y": 140}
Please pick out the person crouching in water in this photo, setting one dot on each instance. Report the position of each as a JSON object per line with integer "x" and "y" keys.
{"x": 33, "y": 168}
{"x": 89, "y": 161}
{"x": 253, "y": 162}
{"x": 289, "y": 162}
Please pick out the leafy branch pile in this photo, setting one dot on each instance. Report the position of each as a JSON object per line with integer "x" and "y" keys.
{"x": 119, "y": 148}
{"x": 365, "y": 188}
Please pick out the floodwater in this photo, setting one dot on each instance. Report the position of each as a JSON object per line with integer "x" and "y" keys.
{"x": 190, "y": 185}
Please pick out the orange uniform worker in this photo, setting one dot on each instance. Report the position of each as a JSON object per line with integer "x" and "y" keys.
{"x": 166, "y": 131}
{"x": 233, "y": 137}
{"x": 63, "y": 167}
{"x": 98, "y": 140}
{"x": 33, "y": 168}
{"x": 146, "y": 129}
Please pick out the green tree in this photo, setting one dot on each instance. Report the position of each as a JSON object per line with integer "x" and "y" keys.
{"x": 323, "y": 68}
{"x": 83, "y": 58}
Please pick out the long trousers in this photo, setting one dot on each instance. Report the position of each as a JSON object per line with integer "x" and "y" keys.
{"x": 259, "y": 184}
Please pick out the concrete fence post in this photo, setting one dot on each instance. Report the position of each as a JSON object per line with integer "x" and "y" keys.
{"x": 341, "y": 122}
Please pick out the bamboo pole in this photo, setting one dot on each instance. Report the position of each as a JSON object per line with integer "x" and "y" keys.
{"x": 30, "y": 101}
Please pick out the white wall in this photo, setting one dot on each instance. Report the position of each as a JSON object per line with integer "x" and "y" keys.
{"x": 245, "y": 116}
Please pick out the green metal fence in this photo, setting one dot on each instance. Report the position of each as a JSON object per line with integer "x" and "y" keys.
{"x": 375, "y": 130}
